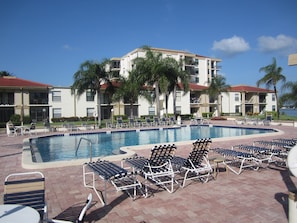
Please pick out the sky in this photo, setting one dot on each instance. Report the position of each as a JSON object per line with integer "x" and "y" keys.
{"x": 46, "y": 41}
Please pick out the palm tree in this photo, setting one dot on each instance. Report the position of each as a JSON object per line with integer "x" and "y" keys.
{"x": 91, "y": 76}
{"x": 151, "y": 69}
{"x": 5, "y": 73}
{"x": 174, "y": 76}
{"x": 216, "y": 87}
{"x": 273, "y": 74}
{"x": 291, "y": 96}
{"x": 129, "y": 89}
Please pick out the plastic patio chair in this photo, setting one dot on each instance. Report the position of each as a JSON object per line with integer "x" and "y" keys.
{"x": 26, "y": 189}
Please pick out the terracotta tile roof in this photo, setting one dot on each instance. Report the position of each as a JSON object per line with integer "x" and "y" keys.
{"x": 241, "y": 88}
{"x": 11, "y": 81}
{"x": 196, "y": 87}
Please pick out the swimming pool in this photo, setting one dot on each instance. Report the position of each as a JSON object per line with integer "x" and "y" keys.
{"x": 62, "y": 147}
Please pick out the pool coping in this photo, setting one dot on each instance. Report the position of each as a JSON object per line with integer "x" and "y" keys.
{"x": 128, "y": 151}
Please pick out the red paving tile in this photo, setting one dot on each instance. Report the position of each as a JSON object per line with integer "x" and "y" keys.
{"x": 253, "y": 196}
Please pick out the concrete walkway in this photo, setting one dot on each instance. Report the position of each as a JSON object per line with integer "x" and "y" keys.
{"x": 253, "y": 196}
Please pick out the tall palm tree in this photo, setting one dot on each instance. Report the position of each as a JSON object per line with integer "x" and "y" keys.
{"x": 215, "y": 89}
{"x": 289, "y": 97}
{"x": 129, "y": 90}
{"x": 273, "y": 74}
{"x": 174, "y": 76}
{"x": 91, "y": 76}
{"x": 151, "y": 69}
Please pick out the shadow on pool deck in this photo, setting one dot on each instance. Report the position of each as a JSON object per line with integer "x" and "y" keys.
{"x": 253, "y": 196}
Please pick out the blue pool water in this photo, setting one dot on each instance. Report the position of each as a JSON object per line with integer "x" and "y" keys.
{"x": 63, "y": 147}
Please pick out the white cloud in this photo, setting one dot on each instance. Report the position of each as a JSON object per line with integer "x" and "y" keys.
{"x": 67, "y": 47}
{"x": 232, "y": 46}
{"x": 281, "y": 43}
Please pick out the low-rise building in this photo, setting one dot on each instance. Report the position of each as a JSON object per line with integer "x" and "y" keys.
{"x": 23, "y": 97}
{"x": 247, "y": 100}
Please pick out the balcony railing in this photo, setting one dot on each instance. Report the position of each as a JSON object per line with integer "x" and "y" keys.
{"x": 195, "y": 100}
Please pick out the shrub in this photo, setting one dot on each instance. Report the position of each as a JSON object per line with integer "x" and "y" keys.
{"x": 15, "y": 119}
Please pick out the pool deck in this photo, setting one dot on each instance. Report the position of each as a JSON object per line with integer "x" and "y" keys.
{"x": 252, "y": 196}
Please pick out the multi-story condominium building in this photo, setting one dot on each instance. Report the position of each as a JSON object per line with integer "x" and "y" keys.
{"x": 23, "y": 97}
{"x": 202, "y": 69}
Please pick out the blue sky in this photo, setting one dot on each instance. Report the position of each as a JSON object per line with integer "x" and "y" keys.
{"x": 46, "y": 41}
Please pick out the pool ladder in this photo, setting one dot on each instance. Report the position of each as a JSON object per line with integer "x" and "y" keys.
{"x": 90, "y": 143}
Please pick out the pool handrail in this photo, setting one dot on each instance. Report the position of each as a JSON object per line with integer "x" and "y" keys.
{"x": 90, "y": 143}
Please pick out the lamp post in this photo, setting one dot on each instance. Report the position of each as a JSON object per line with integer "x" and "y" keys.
{"x": 95, "y": 116}
{"x": 43, "y": 113}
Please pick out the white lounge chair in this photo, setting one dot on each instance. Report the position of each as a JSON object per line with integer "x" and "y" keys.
{"x": 197, "y": 165}
{"x": 157, "y": 168}
{"x": 107, "y": 171}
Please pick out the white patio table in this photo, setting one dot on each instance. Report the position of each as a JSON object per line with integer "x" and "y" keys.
{"x": 11, "y": 213}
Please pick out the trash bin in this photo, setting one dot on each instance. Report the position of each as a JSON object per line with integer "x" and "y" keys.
{"x": 292, "y": 207}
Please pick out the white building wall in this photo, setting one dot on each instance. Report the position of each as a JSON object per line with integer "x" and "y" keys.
{"x": 66, "y": 104}
{"x": 144, "y": 105}
{"x": 183, "y": 103}
{"x": 70, "y": 105}
{"x": 203, "y": 76}
{"x": 229, "y": 103}
{"x": 269, "y": 102}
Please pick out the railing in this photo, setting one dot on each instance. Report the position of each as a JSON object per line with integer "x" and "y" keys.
{"x": 90, "y": 143}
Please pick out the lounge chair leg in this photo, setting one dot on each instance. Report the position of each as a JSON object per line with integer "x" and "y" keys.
{"x": 92, "y": 186}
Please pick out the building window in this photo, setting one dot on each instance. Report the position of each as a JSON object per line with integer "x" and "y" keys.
{"x": 178, "y": 96}
{"x": 90, "y": 112}
{"x": 152, "y": 110}
{"x": 273, "y": 107}
{"x": 56, "y": 95}
{"x": 237, "y": 109}
{"x": 273, "y": 97}
{"x": 196, "y": 62}
{"x": 236, "y": 97}
{"x": 90, "y": 96}
{"x": 6, "y": 98}
{"x": 196, "y": 70}
{"x": 38, "y": 98}
{"x": 57, "y": 112}
{"x": 178, "y": 110}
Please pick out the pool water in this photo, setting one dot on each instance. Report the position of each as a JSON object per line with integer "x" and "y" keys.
{"x": 63, "y": 147}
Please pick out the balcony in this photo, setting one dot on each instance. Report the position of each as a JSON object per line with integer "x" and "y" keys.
{"x": 195, "y": 100}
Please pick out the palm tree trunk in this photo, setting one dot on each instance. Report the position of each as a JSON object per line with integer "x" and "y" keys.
{"x": 157, "y": 99}
{"x": 131, "y": 110}
{"x": 99, "y": 108}
{"x": 166, "y": 104}
{"x": 174, "y": 102}
{"x": 276, "y": 99}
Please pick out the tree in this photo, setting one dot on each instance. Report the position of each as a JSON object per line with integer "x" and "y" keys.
{"x": 5, "y": 73}
{"x": 174, "y": 76}
{"x": 151, "y": 69}
{"x": 289, "y": 97}
{"x": 216, "y": 87}
{"x": 91, "y": 76}
{"x": 129, "y": 89}
{"x": 273, "y": 74}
